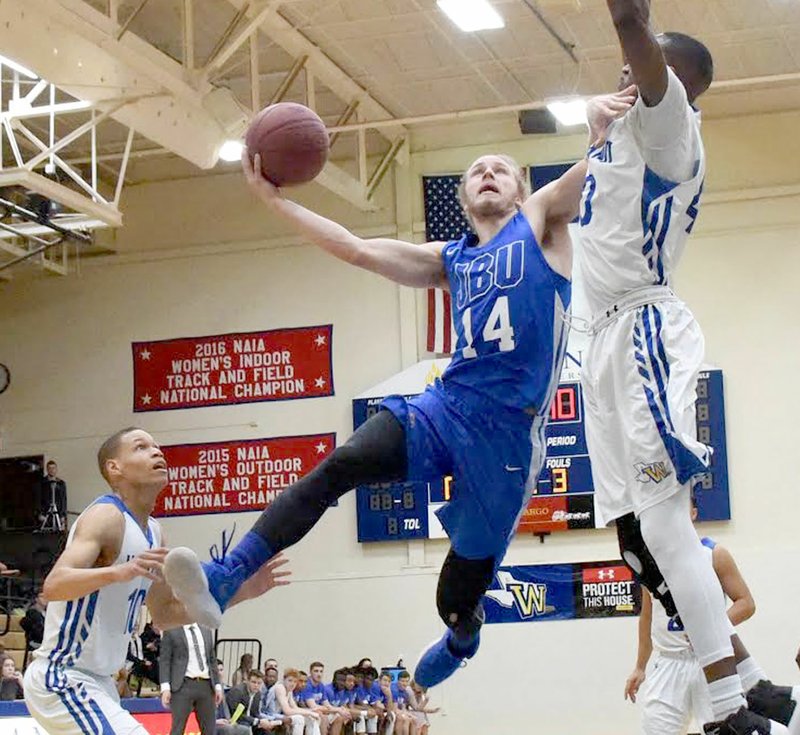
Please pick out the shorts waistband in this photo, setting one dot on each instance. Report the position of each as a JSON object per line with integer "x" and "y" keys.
{"x": 684, "y": 655}
{"x": 628, "y": 302}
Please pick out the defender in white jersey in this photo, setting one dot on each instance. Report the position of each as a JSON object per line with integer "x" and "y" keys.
{"x": 641, "y": 198}
{"x": 675, "y": 690}
{"x": 110, "y": 567}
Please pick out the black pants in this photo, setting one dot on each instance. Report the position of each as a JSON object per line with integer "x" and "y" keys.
{"x": 376, "y": 452}
{"x": 194, "y": 696}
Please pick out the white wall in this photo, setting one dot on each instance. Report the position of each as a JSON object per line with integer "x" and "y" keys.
{"x": 67, "y": 342}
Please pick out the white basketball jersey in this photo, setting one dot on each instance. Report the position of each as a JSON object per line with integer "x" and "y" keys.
{"x": 665, "y": 636}
{"x": 634, "y": 223}
{"x": 92, "y": 632}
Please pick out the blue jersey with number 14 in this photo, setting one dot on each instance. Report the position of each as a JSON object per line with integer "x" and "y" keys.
{"x": 508, "y": 310}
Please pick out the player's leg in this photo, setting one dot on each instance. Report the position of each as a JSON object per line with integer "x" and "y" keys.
{"x": 498, "y": 457}
{"x": 640, "y": 561}
{"x": 70, "y": 703}
{"x": 749, "y": 670}
{"x": 298, "y": 723}
{"x": 334, "y": 723}
{"x": 664, "y": 698}
{"x": 312, "y": 725}
{"x": 403, "y": 722}
{"x": 375, "y": 452}
{"x": 660, "y": 717}
{"x": 674, "y": 544}
{"x": 701, "y": 709}
{"x": 462, "y": 583}
{"x": 658, "y": 361}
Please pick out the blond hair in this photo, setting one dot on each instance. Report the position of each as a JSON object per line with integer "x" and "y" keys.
{"x": 519, "y": 173}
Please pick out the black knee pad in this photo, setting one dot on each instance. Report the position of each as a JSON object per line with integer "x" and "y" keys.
{"x": 458, "y": 595}
{"x": 464, "y": 624}
{"x": 640, "y": 561}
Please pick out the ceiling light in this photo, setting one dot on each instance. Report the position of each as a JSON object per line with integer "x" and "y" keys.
{"x": 471, "y": 15}
{"x": 18, "y": 67}
{"x": 231, "y": 150}
{"x": 569, "y": 112}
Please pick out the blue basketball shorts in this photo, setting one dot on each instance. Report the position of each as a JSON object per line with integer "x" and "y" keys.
{"x": 493, "y": 455}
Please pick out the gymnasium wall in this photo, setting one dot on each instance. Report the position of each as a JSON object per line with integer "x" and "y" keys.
{"x": 199, "y": 257}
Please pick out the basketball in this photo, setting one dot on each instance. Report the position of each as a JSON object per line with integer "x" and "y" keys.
{"x": 292, "y": 141}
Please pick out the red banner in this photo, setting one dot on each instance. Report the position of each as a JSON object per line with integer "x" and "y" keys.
{"x": 236, "y": 476}
{"x": 225, "y": 369}
{"x": 160, "y": 723}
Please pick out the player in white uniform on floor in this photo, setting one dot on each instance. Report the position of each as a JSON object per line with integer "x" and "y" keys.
{"x": 641, "y": 199}
{"x": 111, "y": 566}
{"x": 675, "y": 690}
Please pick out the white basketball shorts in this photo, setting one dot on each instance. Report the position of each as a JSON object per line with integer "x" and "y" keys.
{"x": 639, "y": 388}
{"x": 71, "y": 702}
{"x": 674, "y": 693}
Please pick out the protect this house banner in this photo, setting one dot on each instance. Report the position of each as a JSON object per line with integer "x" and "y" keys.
{"x": 530, "y": 593}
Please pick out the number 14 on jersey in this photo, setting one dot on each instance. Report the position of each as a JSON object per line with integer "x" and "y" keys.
{"x": 497, "y": 328}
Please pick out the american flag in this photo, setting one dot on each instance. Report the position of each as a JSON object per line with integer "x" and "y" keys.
{"x": 445, "y": 220}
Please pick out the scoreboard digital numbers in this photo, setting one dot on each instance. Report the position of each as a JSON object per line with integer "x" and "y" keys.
{"x": 563, "y": 496}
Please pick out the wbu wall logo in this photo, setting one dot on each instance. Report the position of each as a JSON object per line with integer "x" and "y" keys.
{"x": 653, "y": 472}
{"x": 527, "y": 598}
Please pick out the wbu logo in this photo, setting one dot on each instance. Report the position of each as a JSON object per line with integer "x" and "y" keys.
{"x": 653, "y": 472}
{"x": 527, "y": 598}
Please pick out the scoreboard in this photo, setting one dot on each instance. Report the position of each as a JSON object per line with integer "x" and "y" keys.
{"x": 563, "y": 496}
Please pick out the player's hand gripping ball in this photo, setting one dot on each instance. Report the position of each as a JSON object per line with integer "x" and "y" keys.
{"x": 292, "y": 141}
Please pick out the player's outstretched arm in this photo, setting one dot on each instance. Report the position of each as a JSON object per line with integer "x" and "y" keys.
{"x": 644, "y": 649}
{"x": 560, "y": 200}
{"x": 418, "y": 266}
{"x": 743, "y": 607}
{"x": 84, "y": 566}
{"x": 640, "y": 48}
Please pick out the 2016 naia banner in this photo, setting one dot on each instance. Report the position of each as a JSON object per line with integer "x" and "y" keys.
{"x": 225, "y": 369}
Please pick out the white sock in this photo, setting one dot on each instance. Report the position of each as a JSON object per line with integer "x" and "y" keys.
{"x": 726, "y": 696}
{"x": 750, "y": 673}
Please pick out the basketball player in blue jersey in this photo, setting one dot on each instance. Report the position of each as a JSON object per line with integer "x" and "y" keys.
{"x": 640, "y": 203}
{"x": 111, "y": 565}
{"x": 483, "y": 422}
